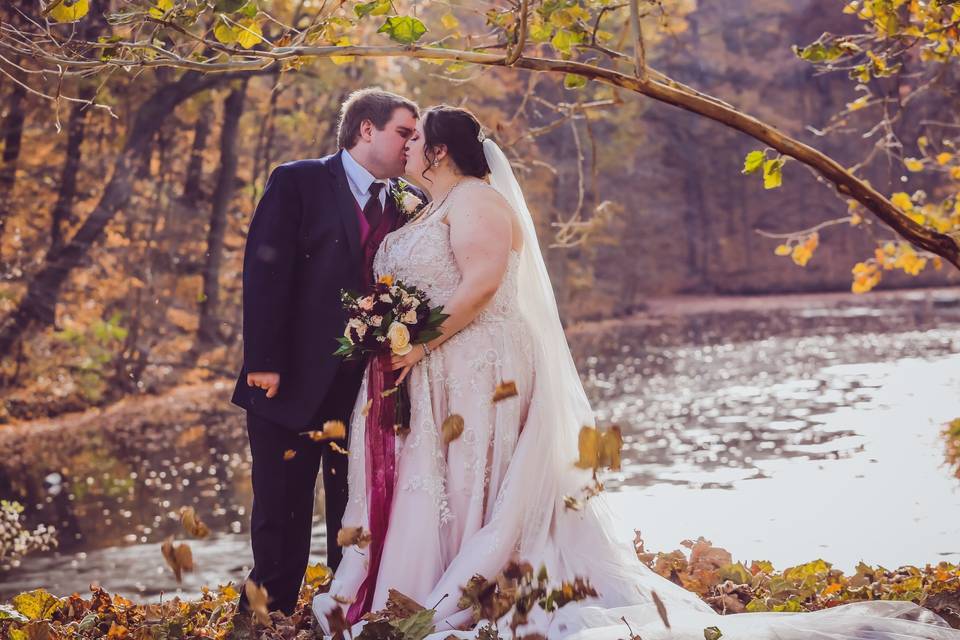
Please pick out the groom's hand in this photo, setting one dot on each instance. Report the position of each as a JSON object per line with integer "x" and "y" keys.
{"x": 265, "y": 380}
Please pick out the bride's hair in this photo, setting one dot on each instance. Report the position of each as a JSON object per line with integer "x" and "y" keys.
{"x": 459, "y": 130}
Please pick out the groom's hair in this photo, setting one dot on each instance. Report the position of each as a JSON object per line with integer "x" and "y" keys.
{"x": 373, "y": 104}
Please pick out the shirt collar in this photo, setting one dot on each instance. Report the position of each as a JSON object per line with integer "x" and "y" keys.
{"x": 360, "y": 179}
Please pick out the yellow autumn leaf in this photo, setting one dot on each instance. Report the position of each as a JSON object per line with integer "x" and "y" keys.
{"x": 912, "y": 164}
{"x": 249, "y": 33}
{"x": 944, "y": 158}
{"x": 318, "y": 575}
{"x": 859, "y": 103}
{"x": 161, "y": 8}
{"x": 449, "y": 21}
{"x": 855, "y": 219}
{"x": 782, "y": 250}
{"x": 224, "y": 33}
{"x": 70, "y": 10}
{"x": 917, "y": 217}
{"x": 955, "y": 173}
{"x": 342, "y": 42}
{"x": 901, "y": 201}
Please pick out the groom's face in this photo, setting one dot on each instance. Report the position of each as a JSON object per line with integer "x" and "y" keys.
{"x": 387, "y": 153}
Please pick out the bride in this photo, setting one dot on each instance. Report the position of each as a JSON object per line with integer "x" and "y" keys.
{"x": 442, "y": 509}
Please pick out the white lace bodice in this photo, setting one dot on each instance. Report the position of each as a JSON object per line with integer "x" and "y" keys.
{"x": 420, "y": 254}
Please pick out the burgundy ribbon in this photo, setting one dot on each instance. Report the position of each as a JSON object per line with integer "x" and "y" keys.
{"x": 380, "y": 462}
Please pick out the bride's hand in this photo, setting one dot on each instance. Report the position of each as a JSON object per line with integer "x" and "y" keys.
{"x": 406, "y": 362}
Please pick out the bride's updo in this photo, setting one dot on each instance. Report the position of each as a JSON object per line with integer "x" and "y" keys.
{"x": 459, "y": 130}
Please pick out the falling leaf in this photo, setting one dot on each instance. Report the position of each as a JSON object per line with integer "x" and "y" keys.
{"x": 366, "y": 408}
{"x": 350, "y": 536}
{"x": 337, "y": 622}
{"x": 661, "y": 608}
{"x": 571, "y": 503}
{"x": 257, "y": 599}
{"x": 338, "y": 449}
{"x": 289, "y": 454}
{"x": 589, "y": 448}
{"x": 318, "y": 575}
{"x": 332, "y": 430}
{"x": 192, "y": 523}
{"x": 389, "y": 392}
{"x": 611, "y": 442}
{"x": 179, "y": 557}
{"x": 452, "y": 428}
{"x": 505, "y": 390}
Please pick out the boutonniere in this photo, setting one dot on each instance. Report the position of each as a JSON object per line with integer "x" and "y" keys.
{"x": 407, "y": 202}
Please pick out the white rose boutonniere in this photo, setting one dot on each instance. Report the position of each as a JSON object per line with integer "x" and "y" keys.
{"x": 408, "y": 203}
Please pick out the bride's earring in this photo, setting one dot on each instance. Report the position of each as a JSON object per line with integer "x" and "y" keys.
{"x": 436, "y": 163}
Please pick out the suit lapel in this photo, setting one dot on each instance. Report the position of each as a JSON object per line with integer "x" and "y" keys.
{"x": 346, "y": 205}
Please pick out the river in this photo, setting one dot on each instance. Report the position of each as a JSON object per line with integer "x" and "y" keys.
{"x": 814, "y": 433}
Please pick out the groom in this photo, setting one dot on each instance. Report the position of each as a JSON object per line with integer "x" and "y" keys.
{"x": 315, "y": 232}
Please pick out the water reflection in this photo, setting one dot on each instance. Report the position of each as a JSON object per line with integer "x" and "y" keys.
{"x": 781, "y": 447}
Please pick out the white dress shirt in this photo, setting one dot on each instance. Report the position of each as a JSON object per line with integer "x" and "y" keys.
{"x": 360, "y": 180}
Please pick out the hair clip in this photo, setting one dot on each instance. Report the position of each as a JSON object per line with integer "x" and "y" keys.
{"x": 480, "y": 136}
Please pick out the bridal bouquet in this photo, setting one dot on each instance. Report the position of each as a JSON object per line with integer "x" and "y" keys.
{"x": 390, "y": 319}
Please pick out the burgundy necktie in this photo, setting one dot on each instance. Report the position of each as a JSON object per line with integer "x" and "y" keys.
{"x": 373, "y": 211}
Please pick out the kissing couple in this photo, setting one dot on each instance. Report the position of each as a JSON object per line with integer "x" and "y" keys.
{"x": 428, "y": 511}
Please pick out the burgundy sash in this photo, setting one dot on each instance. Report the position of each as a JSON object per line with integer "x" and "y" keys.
{"x": 380, "y": 436}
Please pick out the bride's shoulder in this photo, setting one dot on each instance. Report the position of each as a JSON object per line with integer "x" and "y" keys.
{"x": 479, "y": 196}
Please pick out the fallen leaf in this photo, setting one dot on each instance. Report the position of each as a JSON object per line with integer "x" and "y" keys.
{"x": 116, "y": 632}
{"x": 289, "y": 454}
{"x": 350, "y": 536}
{"x": 192, "y": 523}
{"x": 179, "y": 557}
{"x": 452, "y": 428}
{"x": 257, "y": 599}
{"x": 401, "y": 606}
{"x": 366, "y": 408}
{"x": 338, "y": 449}
{"x": 332, "y": 430}
{"x": 505, "y": 390}
{"x": 389, "y": 392}
{"x": 571, "y": 503}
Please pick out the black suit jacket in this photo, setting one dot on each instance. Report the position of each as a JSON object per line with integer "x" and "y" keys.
{"x": 302, "y": 249}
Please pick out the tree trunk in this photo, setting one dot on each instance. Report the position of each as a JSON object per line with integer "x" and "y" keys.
{"x": 44, "y": 288}
{"x": 194, "y": 178}
{"x": 76, "y": 131}
{"x": 11, "y": 131}
{"x": 226, "y": 185}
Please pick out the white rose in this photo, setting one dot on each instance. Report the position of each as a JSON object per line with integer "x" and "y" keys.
{"x": 355, "y": 324}
{"x": 386, "y": 298}
{"x": 399, "y": 337}
{"x": 409, "y": 202}
{"x": 376, "y": 321}
{"x": 366, "y": 303}
{"x": 410, "y": 317}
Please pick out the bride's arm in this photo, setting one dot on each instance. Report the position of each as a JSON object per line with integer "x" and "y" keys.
{"x": 480, "y": 237}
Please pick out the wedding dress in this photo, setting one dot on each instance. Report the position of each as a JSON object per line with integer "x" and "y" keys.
{"x": 496, "y": 492}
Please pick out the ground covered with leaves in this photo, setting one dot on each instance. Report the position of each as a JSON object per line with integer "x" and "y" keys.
{"x": 729, "y": 587}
